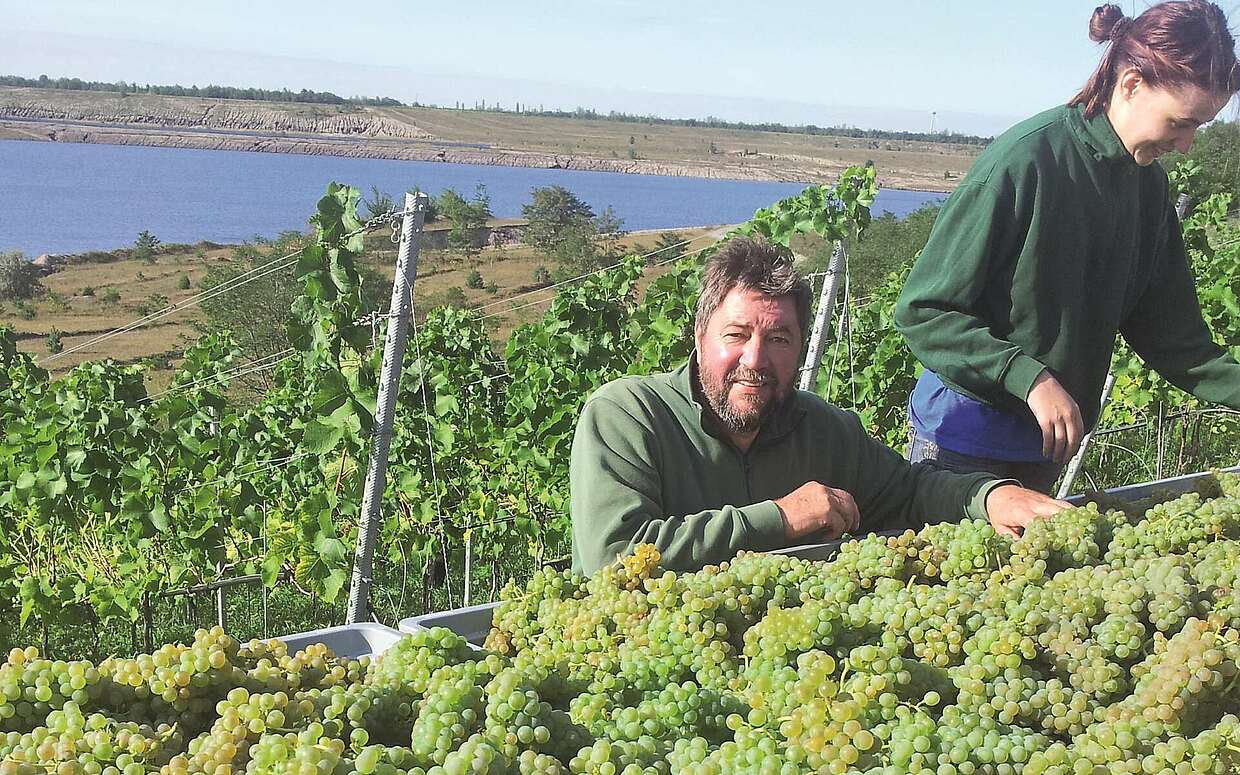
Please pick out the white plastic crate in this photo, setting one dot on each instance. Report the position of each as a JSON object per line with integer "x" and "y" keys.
{"x": 472, "y": 622}
{"x": 348, "y": 640}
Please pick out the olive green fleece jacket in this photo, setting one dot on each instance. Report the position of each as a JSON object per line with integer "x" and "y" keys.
{"x": 1055, "y": 241}
{"x": 649, "y": 466}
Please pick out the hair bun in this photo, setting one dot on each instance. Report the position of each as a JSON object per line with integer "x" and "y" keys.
{"x": 1107, "y": 23}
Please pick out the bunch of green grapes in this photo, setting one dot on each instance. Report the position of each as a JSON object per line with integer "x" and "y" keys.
{"x": 411, "y": 662}
{"x": 1073, "y": 538}
{"x": 30, "y": 687}
{"x": 969, "y": 547}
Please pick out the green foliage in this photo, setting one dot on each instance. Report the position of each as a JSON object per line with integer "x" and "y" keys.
{"x": 542, "y": 276}
{"x": 1216, "y": 155}
{"x": 144, "y": 246}
{"x": 380, "y": 203}
{"x": 89, "y": 290}
{"x": 153, "y": 303}
{"x": 670, "y": 246}
{"x": 109, "y": 495}
{"x": 256, "y": 312}
{"x": 466, "y": 217}
{"x": 455, "y": 297}
{"x": 18, "y": 277}
{"x": 183, "y": 282}
{"x": 56, "y": 302}
{"x": 561, "y": 226}
{"x": 110, "y": 296}
{"x": 889, "y": 245}
{"x": 53, "y": 341}
{"x": 474, "y": 280}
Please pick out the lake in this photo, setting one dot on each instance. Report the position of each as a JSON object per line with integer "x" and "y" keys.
{"x": 74, "y": 197}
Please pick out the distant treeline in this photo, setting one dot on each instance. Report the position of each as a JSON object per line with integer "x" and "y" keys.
{"x": 210, "y": 91}
{"x": 712, "y": 122}
{"x": 305, "y": 95}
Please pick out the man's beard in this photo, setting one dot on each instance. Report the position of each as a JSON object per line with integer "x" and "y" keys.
{"x": 747, "y": 419}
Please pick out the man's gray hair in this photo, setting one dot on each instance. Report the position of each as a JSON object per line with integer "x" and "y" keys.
{"x": 754, "y": 264}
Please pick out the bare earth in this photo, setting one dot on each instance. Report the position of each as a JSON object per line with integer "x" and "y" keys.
{"x": 79, "y": 305}
{"x": 470, "y": 137}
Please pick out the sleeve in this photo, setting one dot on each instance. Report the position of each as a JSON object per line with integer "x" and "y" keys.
{"x": 938, "y": 309}
{"x": 893, "y": 494}
{"x": 1166, "y": 328}
{"x": 615, "y": 501}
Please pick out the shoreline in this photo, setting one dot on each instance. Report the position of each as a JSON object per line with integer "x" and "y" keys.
{"x": 204, "y": 138}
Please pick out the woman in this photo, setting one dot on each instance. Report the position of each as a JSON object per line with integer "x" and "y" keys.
{"x": 1061, "y": 236}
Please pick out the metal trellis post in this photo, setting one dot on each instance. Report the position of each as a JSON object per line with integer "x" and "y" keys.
{"x": 826, "y": 302}
{"x": 1074, "y": 465}
{"x": 401, "y": 310}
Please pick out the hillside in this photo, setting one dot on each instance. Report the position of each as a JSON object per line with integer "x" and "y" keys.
{"x": 468, "y": 136}
{"x": 85, "y": 299}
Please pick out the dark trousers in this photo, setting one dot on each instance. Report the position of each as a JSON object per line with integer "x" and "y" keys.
{"x": 1035, "y": 476}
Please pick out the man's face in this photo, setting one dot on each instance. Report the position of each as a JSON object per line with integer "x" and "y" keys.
{"x": 748, "y": 356}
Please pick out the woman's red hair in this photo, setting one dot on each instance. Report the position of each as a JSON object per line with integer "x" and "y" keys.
{"x": 1181, "y": 43}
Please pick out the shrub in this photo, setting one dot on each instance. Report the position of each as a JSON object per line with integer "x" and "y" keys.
{"x": 542, "y": 276}
{"x": 57, "y": 302}
{"x": 18, "y": 277}
{"x": 25, "y": 311}
{"x": 54, "y": 345}
{"x": 455, "y": 296}
{"x": 492, "y": 288}
{"x": 88, "y": 291}
{"x": 153, "y": 303}
{"x": 474, "y": 280}
{"x": 111, "y": 296}
{"x": 183, "y": 282}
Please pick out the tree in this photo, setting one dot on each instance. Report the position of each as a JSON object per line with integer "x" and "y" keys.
{"x": 609, "y": 229}
{"x": 379, "y": 203}
{"x": 144, "y": 246}
{"x": 256, "y": 312}
{"x": 670, "y": 246}
{"x": 554, "y": 214}
{"x": 466, "y": 218}
{"x": 888, "y": 245}
{"x": 564, "y": 228}
{"x": 18, "y": 277}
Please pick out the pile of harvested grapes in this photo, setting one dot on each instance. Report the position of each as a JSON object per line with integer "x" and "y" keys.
{"x": 1103, "y": 641}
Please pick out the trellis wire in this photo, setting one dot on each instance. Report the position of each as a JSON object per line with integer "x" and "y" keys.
{"x": 231, "y": 284}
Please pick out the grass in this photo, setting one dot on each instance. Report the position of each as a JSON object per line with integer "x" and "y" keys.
{"x": 80, "y": 316}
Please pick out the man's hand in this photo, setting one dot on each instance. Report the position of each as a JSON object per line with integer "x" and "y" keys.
{"x": 1010, "y": 508}
{"x": 1058, "y": 416}
{"x": 814, "y": 507}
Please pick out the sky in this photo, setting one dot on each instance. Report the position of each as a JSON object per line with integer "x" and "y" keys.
{"x": 977, "y": 65}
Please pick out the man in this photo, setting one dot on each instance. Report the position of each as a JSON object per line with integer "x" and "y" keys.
{"x": 723, "y": 454}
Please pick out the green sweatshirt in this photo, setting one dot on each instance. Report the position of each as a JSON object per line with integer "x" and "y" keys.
{"x": 1055, "y": 241}
{"x": 648, "y": 466}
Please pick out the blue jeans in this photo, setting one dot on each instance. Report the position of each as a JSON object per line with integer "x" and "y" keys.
{"x": 1035, "y": 476}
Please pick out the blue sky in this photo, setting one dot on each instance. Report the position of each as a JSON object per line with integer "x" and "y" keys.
{"x": 980, "y": 64}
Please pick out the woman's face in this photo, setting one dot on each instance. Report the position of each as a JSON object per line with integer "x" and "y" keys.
{"x": 1152, "y": 121}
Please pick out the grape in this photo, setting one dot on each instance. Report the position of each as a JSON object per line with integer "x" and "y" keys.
{"x": 1100, "y": 641}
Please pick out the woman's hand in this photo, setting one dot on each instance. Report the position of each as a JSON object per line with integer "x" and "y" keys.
{"x": 1058, "y": 416}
